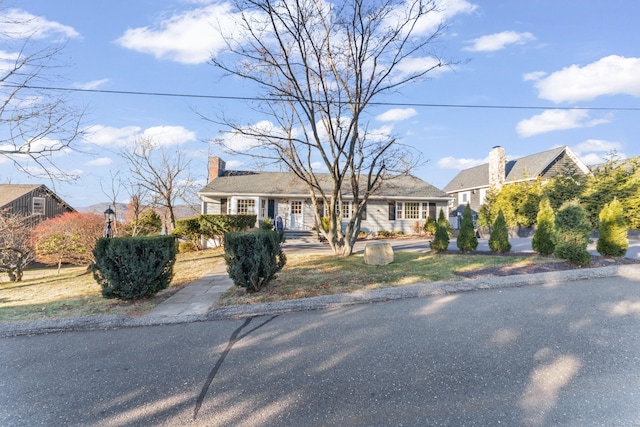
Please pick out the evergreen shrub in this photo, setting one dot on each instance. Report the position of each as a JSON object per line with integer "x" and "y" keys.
{"x": 467, "y": 240}
{"x": 253, "y": 258}
{"x": 612, "y": 232}
{"x": 499, "y": 239}
{"x": 430, "y": 225}
{"x": 134, "y": 267}
{"x": 572, "y": 234}
{"x": 440, "y": 240}
{"x": 543, "y": 241}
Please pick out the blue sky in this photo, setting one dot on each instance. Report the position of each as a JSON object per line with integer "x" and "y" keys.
{"x": 547, "y": 54}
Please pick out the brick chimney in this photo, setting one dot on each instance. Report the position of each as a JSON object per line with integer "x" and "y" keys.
{"x": 497, "y": 167}
{"x": 216, "y": 167}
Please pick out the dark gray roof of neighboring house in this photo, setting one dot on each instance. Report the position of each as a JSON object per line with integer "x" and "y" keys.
{"x": 527, "y": 167}
{"x": 11, "y": 192}
{"x": 287, "y": 184}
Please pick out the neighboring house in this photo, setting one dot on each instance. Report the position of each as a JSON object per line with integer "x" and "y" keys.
{"x": 471, "y": 185}
{"x": 396, "y": 206}
{"x": 31, "y": 200}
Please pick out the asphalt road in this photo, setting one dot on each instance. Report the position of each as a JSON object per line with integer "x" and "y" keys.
{"x": 556, "y": 354}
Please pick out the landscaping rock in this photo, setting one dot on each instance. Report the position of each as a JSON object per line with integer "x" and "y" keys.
{"x": 378, "y": 253}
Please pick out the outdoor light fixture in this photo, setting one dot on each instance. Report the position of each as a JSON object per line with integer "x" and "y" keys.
{"x": 109, "y": 217}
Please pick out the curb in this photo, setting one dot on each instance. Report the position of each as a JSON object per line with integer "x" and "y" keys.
{"x": 317, "y": 303}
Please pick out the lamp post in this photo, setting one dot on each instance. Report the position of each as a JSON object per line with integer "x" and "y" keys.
{"x": 109, "y": 217}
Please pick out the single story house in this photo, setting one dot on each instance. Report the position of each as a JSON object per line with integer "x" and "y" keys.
{"x": 34, "y": 200}
{"x": 471, "y": 185}
{"x": 397, "y": 205}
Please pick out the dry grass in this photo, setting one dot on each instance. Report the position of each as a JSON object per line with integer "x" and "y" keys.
{"x": 313, "y": 275}
{"x": 44, "y": 294}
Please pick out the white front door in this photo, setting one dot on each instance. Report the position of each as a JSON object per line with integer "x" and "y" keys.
{"x": 296, "y": 221}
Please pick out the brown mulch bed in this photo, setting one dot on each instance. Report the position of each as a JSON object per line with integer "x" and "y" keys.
{"x": 596, "y": 261}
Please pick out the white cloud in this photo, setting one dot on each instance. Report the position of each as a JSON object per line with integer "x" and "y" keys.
{"x": 446, "y": 10}
{"x": 102, "y": 161}
{"x": 598, "y": 145}
{"x": 611, "y": 75}
{"x": 191, "y": 37}
{"x": 233, "y": 164}
{"x": 381, "y": 134}
{"x": 236, "y": 142}
{"x": 533, "y": 76}
{"x": 22, "y": 25}
{"x": 121, "y": 137}
{"x": 453, "y": 163}
{"x": 418, "y": 65}
{"x": 499, "y": 41}
{"x": 110, "y": 136}
{"x": 92, "y": 84}
{"x": 552, "y": 120}
{"x": 169, "y": 135}
{"x": 595, "y": 151}
{"x": 396, "y": 114}
{"x": 7, "y": 61}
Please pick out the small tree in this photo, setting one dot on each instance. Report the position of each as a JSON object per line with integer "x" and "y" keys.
{"x": 69, "y": 238}
{"x": 147, "y": 223}
{"x": 543, "y": 240}
{"x": 16, "y": 249}
{"x": 572, "y": 234}
{"x": 440, "y": 240}
{"x": 499, "y": 239}
{"x": 189, "y": 229}
{"x": 430, "y": 226}
{"x": 467, "y": 240}
{"x": 612, "y": 233}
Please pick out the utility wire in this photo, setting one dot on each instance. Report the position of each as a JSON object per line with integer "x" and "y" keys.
{"x": 395, "y": 104}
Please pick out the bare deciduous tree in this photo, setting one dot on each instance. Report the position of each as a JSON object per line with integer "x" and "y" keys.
{"x": 320, "y": 66}
{"x": 16, "y": 247}
{"x": 163, "y": 174}
{"x": 35, "y": 123}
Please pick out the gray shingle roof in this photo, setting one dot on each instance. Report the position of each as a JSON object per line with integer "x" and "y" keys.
{"x": 527, "y": 167}
{"x": 286, "y": 184}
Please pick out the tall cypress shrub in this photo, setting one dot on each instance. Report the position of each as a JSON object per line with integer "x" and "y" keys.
{"x": 499, "y": 239}
{"x": 467, "y": 240}
{"x": 543, "y": 240}
{"x": 572, "y": 234}
{"x": 440, "y": 242}
{"x": 612, "y": 232}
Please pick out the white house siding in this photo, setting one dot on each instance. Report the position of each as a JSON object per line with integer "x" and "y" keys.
{"x": 377, "y": 213}
{"x": 378, "y": 218}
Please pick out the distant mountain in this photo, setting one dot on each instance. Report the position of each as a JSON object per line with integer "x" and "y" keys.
{"x": 180, "y": 211}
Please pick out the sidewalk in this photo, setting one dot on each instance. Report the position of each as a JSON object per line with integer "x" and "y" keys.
{"x": 198, "y": 297}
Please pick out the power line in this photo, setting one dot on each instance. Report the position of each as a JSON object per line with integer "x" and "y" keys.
{"x": 390, "y": 104}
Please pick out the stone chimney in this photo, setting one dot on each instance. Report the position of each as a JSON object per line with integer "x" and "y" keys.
{"x": 497, "y": 167}
{"x": 216, "y": 167}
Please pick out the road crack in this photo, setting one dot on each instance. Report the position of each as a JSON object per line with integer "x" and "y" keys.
{"x": 233, "y": 339}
